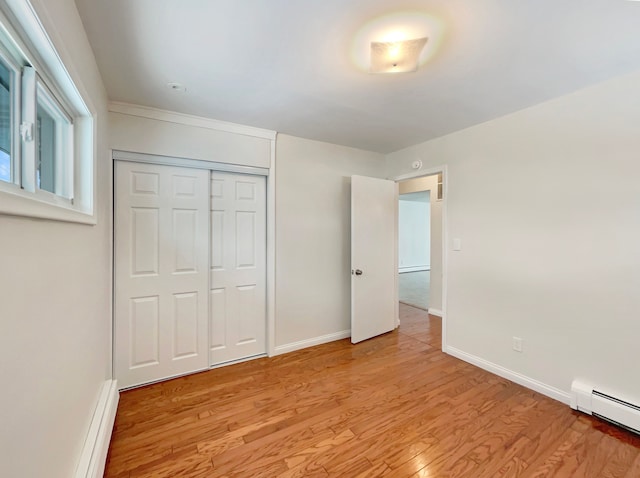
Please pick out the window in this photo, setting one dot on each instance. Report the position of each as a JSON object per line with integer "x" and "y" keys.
{"x": 7, "y": 118}
{"x": 5, "y": 123}
{"x": 46, "y": 127}
{"x": 54, "y": 140}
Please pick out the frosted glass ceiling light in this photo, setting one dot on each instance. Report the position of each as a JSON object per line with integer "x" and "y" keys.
{"x": 396, "y": 56}
{"x": 397, "y": 27}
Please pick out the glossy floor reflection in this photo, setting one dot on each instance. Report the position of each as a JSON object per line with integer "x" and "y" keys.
{"x": 392, "y": 406}
{"x": 413, "y": 288}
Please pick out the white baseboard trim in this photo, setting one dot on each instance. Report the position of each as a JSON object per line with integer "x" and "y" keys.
{"x": 96, "y": 445}
{"x": 520, "y": 379}
{"x": 402, "y": 270}
{"x": 436, "y": 312}
{"x": 303, "y": 344}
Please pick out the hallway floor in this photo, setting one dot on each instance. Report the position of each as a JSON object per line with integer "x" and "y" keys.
{"x": 413, "y": 288}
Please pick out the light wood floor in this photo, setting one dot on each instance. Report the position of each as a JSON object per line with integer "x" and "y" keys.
{"x": 391, "y": 406}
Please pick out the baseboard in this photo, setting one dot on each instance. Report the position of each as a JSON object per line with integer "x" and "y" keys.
{"x": 96, "y": 445}
{"x": 303, "y": 344}
{"x": 402, "y": 270}
{"x": 415, "y": 306}
{"x": 520, "y": 379}
{"x": 436, "y": 312}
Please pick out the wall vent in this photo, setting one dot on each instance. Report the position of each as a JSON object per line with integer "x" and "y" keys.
{"x": 587, "y": 399}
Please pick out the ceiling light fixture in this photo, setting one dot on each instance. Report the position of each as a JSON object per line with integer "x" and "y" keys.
{"x": 402, "y": 29}
{"x": 396, "y": 56}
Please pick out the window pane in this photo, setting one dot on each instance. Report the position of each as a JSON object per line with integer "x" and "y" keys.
{"x": 46, "y": 151}
{"x": 51, "y": 147}
{"x": 5, "y": 123}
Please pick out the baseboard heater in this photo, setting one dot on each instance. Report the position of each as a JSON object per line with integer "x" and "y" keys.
{"x": 587, "y": 399}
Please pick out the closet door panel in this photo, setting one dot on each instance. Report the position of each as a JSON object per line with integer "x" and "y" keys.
{"x": 238, "y": 267}
{"x": 161, "y": 272}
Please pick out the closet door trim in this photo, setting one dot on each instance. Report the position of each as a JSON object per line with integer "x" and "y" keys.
{"x": 188, "y": 163}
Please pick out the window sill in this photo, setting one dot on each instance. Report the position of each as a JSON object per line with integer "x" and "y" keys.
{"x": 23, "y": 204}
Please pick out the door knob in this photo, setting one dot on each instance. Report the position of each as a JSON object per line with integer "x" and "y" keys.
{"x": 358, "y": 272}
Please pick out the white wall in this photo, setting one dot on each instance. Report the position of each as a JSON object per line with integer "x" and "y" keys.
{"x": 414, "y": 229}
{"x": 429, "y": 183}
{"x": 546, "y": 203}
{"x": 163, "y": 137}
{"x": 313, "y": 282}
{"x": 55, "y": 302}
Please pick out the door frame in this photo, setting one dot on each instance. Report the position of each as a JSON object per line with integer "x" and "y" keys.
{"x": 445, "y": 235}
{"x": 269, "y": 173}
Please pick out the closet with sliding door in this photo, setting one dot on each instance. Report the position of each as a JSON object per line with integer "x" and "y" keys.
{"x": 189, "y": 266}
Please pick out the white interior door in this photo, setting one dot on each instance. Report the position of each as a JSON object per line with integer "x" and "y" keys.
{"x": 373, "y": 257}
{"x": 161, "y": 271}
{"x": 238, "y": 267}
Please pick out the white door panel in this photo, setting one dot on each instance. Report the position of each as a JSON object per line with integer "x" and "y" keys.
{"x": 238, "y": 267}
{"x": 373, "y": 257}
{"x": 144, "y": 320}
{"x": 161, "y": 271}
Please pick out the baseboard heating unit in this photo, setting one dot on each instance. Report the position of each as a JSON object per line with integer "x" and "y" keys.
{"x": 590, "y": 400}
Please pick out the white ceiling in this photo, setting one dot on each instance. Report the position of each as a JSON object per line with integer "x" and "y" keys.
{"x": 287, "y": 65}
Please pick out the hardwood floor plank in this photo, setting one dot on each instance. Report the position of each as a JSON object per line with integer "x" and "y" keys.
{"x": 357, "y": 465}
{"x": 296, "y": 420}
{"x": 507, "y": 463}
{"x": 397, "y": 455}
{"x": 600, "y": 448}
{"x": 391, "y": 406}
{"x": 620, "y": 461}
{"x": 305, "y": 462}
{"x": 265, "y": 452}
{"x": 466, "y": 435}
{"x": 236, "y": 437}
{"x": 147, "y": 453}
{"x": 379, "y": 470}
{"x": 634, "y": 468}
{"x": 375, "y": 449}
{"x": 186, "y": 463}
{"x": 563, "y": 459}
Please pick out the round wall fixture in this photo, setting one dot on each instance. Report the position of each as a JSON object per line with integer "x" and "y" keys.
{"x": 417, "y": 164}
{"x": 177, "y": 87}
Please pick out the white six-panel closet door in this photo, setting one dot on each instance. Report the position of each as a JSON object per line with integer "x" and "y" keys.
{"x": 161, "y": 272}
{"x": 237, "y": 327}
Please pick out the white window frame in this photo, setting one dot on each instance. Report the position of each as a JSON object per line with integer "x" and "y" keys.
{"x": 41, "y": 70}
{"x": 64, "y": 142}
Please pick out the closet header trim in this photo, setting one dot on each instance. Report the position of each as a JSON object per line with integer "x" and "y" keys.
{"x": 188, "y": 163}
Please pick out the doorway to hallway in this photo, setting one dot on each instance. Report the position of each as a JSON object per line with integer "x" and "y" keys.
{"x": 420, "y": 242}
{"x": 413, "y": 289}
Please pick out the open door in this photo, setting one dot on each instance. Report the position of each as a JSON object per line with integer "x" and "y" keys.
{"x": 373, "y": 257}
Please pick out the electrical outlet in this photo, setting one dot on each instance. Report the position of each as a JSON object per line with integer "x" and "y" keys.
{"x": 517, "y": 344}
